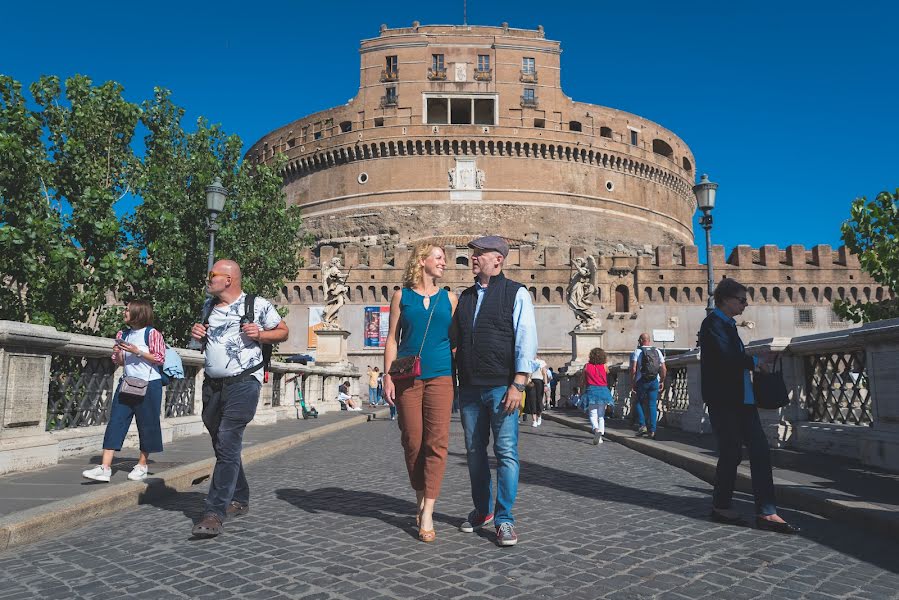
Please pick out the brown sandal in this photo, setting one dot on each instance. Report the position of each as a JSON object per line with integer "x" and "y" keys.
{"x": 426, "y": 535}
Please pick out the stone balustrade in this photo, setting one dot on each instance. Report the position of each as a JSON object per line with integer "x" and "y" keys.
{"x": 56, "y": 389}
{"x": 844, "y": 392}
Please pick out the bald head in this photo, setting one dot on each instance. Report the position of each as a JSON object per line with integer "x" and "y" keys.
{"x": 644, "y": 339}
{"x": 228, "y": 267}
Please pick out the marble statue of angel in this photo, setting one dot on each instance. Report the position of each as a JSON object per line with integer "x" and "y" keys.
{"x": 337, "y": 292}
{"x": 580, "y": 289}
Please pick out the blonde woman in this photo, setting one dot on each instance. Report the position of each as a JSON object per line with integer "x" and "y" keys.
{"x": 420, "y": 317}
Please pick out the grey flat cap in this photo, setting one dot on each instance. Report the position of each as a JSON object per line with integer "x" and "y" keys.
{"x": 490, "y": 242}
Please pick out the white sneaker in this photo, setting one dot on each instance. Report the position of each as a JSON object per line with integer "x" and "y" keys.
{"x": 539, "y": 421}
{"x": 138, "y": 473}
{"x": 98, "y": 473}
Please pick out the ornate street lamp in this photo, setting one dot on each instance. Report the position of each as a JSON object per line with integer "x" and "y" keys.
{"x": 705, "y": 192}
{"x": 215, "y": 204}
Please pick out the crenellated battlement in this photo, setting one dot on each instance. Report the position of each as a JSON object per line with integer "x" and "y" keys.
{"x": 665, "y": 274}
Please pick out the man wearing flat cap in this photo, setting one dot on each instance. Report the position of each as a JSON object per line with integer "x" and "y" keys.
{"x": 496, "y": 346}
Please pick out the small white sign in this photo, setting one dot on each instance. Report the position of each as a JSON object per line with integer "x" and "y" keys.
{"x": 663, "y": 335}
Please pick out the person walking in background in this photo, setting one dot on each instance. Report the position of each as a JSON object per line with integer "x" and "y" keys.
{"x": 648, "y": 372}
{"x": 726, "y": 384}
{"x": 141, "y": 350}
{"x": 595, "y": 383}
{"x": 234, "y": 327}
{"x": 373, "y": 375}
{"x": 420, "y": 317}
{"x": 540, "y": 379}
{"x": 553, "y": 386}
{"x": 496, "y": 333}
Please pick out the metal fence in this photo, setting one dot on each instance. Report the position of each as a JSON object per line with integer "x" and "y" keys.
{"x": 836, "y": 387}
{"x": 80, "y": 391}
{"x": 180, "y": 394}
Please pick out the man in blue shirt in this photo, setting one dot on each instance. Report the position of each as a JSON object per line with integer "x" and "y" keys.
{"x": 495, "y": 332}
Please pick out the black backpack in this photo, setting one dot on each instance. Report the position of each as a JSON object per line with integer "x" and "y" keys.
{"x": 249, "y": 315}
{"x": 650, "y": 363}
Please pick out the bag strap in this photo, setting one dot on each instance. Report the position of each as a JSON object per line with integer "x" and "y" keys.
{"x": 249, "y": 308}
{"x": 433, "y": 308}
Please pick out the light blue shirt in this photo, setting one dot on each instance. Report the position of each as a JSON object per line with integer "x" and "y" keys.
{"x": 748, "y": 394}
{"x": 525, "y": 323}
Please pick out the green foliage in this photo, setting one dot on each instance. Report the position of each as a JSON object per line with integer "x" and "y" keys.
{"x": 64, "y": 252}
{"x": 872, "y": 233}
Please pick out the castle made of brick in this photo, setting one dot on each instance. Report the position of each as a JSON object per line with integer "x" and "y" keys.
{"x": 462, "y": 131}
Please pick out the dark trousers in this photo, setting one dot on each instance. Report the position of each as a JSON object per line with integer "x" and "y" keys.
{"x": 736, "y": 426}
{"x": 552, "y": 393}
{"x": 146, "y": 411}
{"x": 227, "y": 408}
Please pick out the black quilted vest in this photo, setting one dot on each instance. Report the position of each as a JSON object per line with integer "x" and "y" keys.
{"x": 485, "y": 350}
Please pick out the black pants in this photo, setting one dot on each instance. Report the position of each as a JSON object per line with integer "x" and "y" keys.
{"x": 736, "y": 426}
{"x": 227, "y": 409}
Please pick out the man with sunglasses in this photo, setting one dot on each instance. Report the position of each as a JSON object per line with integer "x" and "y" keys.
{"x": 232, "y": 380}
{"x": 725, "y": 369}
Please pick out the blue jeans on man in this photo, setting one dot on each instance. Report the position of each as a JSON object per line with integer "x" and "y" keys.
{"x": 227, "y": 409}
{"x": 372, "y": 396}
{"x": 647, "y": 404}
{"x": 482, "y": 412}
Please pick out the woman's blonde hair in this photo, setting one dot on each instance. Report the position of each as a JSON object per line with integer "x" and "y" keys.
{"x": 414, "y": 271}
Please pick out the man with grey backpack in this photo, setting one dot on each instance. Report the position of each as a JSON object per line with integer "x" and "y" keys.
{"x": 648, "y": 372}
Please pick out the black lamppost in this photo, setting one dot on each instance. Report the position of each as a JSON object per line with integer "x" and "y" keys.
{"x": 215, "y": 204}
{"x": 705, "y": 192}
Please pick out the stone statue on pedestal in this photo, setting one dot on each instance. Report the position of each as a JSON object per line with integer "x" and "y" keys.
{"x": 337, "y": 292}
{"x": 580, "y": 289}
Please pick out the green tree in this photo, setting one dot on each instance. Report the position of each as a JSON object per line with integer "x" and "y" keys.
{"x": 872, "y": 233}
{"x": 64, "y": 250}
{"x": 258, "y": 230}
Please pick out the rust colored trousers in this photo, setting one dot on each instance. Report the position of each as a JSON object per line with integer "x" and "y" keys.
{"x": 423, "y": 410}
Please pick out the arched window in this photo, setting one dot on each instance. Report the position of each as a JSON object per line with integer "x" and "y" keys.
{"x": 462, "y": 260}
{"x": 346, "y": 126}
{"x": 647, "y": 294}
{"x": 622, "y": 299}
{"x": 574, "y": 126}
{"x": 662, "y": 147}
{"x": 385, "y": 294}
{"x": 560, "y": 294}
{"x": 372, "y": 293}
{"x": 296, "y": 293}
{"x": 828, "y": 294}
{"x": 545, "y": 293}
{"x": 688, "y": 166}
{"x": 310, "y": 294}
{"x": 699, "y": 292}
{"x": 605, "y": 132}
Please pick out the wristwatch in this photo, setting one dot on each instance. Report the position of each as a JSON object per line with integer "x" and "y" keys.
{"x": 518, "y": 386}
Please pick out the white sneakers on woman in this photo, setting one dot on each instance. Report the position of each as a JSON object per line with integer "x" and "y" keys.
{"x": 138, "y": 473}
{"x": 98, "y": 473}
{"x": 101, "y": 473}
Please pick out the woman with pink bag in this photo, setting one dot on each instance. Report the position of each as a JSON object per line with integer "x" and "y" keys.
{"x": 419, "y": 376}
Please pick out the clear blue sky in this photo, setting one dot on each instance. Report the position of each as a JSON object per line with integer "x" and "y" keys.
{"x": 790, "y": 106}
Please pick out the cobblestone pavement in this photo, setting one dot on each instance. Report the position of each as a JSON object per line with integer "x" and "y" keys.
{"x": 333, "y": 519}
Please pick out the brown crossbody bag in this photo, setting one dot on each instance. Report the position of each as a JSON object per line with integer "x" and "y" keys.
{"x": 409, "y": 367}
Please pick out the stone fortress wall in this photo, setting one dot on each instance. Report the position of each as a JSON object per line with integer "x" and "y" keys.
{"x": 391, "y": 167}
{"x": 791, "y": 291}
{"x": 461, "y": 131}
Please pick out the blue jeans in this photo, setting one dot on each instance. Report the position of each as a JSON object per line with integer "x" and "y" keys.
{"x": 647, "y": 403}
{"x": 226, "y": 411}
{"x": 482, "y": 412}
{"x": 372, "y": 395}
{"x": 145, "y": 411}
{"x": 736, "y": 426}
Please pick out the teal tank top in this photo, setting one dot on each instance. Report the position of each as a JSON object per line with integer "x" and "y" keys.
{"x": 436, "y": 356}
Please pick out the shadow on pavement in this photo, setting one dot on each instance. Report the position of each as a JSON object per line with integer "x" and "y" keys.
{"x": 853, "y": 541}
{"x": 355, "y": 503}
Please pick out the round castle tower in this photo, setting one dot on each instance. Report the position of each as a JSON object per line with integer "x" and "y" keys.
{"x": 465, "y": 131}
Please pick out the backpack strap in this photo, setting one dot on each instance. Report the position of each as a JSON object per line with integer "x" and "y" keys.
{"x": 249, "y": 308}
{"x": 210, "y": 305}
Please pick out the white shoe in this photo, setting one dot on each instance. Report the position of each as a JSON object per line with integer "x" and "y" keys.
{"x": 533, "y": 423}
{"x": 98, "y": 473}
{"x": 539, "y": 421}
{"x": 138, "y": 473}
